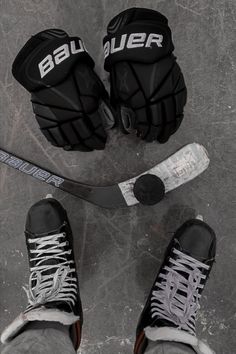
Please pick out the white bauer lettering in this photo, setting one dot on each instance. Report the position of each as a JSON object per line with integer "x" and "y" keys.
{"x": 121, "y": 46}
{"x": 24, "y": 168}
{"x": 14, "y": 162}
{"x": 136, "y": 40}
{"x": 46, "y": 65}
{"x": 3, "y": 156}
{"x": 41, "y": 174}
{"x": 75, "y": 50}
{"x": 57, "y": 181}
{"x": 106, "y": 49}
{"x": 61, "y": 54}
{"x": 58, "y": 56}
{"x": 154, "y": 38}
{"x": 30, "y": 169}
{"x": 131, "y": 41}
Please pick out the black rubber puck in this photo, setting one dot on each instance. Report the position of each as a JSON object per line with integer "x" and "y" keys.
{"x": 149, "y": 189}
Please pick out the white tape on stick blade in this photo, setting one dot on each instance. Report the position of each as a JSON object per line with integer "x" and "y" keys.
{"x": 178, "y": 169}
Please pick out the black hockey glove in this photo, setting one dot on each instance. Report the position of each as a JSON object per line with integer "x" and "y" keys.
{"x": 147, "y": 86}
{"x": 69, "y": 100}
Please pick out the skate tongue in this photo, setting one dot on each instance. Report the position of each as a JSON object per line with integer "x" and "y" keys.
{"x": 196, "y": 256}
{"x": 52, "y": 263}
{"x": 60, "y": 305}
{"x": 163, "y": 323}
{"x": 191, "y": 254}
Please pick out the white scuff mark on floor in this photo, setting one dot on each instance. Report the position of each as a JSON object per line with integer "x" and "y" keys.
{"x": 211, "y": 323}
{"x": 187, "y": 7}
{"x": 222, "y": 326}
{"x": 89, "y": 347}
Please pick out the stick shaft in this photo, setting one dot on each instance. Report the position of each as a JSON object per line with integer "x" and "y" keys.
{"x": 31, "y": 169}
{"x": 43, "y": 175}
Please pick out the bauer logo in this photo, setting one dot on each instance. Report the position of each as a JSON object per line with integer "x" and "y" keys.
{"x": 59, "y": 55}
{"x": 132, "y": 41}
{"x": 30, "y": 169}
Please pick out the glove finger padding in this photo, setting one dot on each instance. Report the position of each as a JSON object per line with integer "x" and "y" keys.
{"x": 69, "y": 100}
{"x": 147, "y": 86}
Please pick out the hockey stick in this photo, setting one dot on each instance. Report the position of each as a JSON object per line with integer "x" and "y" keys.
{"x": 181, "y": 167}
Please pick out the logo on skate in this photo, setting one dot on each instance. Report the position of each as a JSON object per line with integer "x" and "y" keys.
{"x": 59, "y": 55}
{"x": 30, "y": 169}
{"x": 131, "y": 41}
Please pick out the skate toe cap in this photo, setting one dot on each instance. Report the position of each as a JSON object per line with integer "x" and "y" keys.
{"x": 197, "y": 239}
{"x": 45, "y": 216}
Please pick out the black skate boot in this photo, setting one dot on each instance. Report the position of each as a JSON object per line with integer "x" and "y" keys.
{"x": 53, "y": 290}
{"x": 171, "y": 308}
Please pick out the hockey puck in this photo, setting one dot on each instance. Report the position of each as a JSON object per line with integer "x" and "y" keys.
{"x": 149, "y": 189}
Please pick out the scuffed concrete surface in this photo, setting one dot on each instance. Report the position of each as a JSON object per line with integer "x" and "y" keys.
{"x": 119, "y": 252}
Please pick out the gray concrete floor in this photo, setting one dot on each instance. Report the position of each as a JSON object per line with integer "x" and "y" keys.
{"x": 119, "y": 252}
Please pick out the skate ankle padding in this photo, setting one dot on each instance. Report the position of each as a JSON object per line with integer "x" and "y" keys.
{"x": 175, "y": 335}
{"x": 39, "y": 314}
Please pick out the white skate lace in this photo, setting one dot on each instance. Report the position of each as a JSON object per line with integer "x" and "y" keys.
{"x": 46, "y": 285}
{"x": 176, "y": 294}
